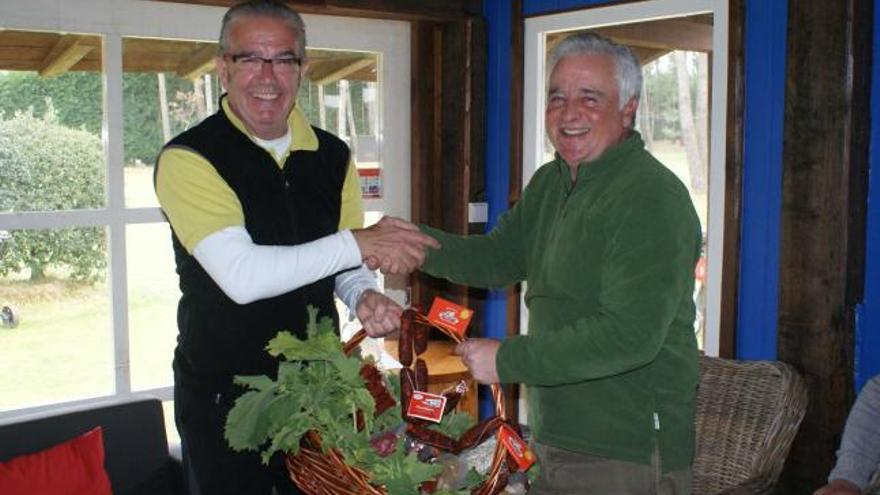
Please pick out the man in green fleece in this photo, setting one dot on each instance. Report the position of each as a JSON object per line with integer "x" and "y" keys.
{"x": 606, "y": 239}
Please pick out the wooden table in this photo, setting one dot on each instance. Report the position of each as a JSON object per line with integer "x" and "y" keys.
{"x": 444, "y": 371}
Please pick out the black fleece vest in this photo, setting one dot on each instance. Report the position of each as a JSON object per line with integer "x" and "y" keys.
{"x": 294, "y": 205}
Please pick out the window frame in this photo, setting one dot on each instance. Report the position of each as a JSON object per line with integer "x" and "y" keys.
{"x": 114, "y": 20}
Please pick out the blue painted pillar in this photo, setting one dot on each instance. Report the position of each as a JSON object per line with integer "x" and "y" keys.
{"x": 867, "y": 352}
{"x": 498, "y": 15}
{"x": 758, "y": 309}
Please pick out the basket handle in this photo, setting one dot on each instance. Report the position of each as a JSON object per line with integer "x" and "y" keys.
{"x": 493, "y": 483}
{"x": 497, "y": 393}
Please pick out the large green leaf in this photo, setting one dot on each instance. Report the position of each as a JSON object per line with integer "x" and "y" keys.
{"x": 256, "y": 382}
{"x": 246, "y": 425}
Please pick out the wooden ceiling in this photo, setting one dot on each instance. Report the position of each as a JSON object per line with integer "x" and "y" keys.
{"x": 401, "y": 10}
{"x": 51, "y": 54}
{"x": 651, "y": 40}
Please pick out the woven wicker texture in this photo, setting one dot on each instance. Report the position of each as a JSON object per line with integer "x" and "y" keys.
{"x": 748, "y": 413}
{"x": 318, "y": 473}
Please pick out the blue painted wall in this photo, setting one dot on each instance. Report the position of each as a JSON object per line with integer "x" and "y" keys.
{"x": 868, "y": 313}
{"x": 538, "y": 7}
{"x": 499, "y": 31}
{"x": 758, "y": 308}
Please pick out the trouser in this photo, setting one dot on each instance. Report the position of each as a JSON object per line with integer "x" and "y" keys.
{"x": 210, "y": 466}
{"x": 563, "y": 472}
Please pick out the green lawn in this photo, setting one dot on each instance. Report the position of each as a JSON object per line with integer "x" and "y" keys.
{"x": 62, "y": 348}
{"x": 673, "y": 156}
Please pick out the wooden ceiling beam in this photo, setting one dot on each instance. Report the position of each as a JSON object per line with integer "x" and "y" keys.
{"x": 426, "y": 10}
{"x": 664, "y": 34}
{"x": 198, "y": 63}
{"x": 344, "y": 71}
{"x": 67, "y": 51}
{"x": 648, "y": 55}
{"x": 669, "y": 34}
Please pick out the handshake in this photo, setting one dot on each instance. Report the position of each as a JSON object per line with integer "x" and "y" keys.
{"x": 393, "y": 245}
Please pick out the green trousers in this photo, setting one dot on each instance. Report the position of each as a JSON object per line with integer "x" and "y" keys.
{"x": 564, "y": 472}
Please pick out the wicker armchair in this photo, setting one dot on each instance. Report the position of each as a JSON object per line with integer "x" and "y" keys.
{"x": 747, "y": 415}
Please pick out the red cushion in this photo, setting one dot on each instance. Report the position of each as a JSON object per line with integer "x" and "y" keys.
{"x": 75, "y": 467}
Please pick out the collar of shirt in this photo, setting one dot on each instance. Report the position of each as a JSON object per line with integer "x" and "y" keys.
{"x": 278, "y": 146}
{"x": 607, "y": 161}
{"x": 302, "y": 136}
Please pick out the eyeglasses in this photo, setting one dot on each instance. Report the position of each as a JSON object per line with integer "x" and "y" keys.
{"x": 282, "y": 64}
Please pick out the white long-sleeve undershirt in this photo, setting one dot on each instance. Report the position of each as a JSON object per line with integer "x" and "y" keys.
{"x": 247, "y": 272}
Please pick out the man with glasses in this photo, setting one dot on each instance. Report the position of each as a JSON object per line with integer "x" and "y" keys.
{"x": 266, "y": 220}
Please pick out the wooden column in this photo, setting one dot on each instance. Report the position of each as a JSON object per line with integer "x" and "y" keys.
{"x": 733, "y": 178}
{"x": 825, "y": 153}
{"x": 447, "y": 146}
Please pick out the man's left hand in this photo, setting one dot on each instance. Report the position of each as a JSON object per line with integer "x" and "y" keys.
{"x": 479, "y": 357}
{"x": 378, "y": 313}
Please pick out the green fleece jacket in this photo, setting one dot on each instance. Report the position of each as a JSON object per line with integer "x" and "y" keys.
{"x": 610, "y": 358}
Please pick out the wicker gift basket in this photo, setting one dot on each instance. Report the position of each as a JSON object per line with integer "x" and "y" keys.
{"x": 319, "y": 472}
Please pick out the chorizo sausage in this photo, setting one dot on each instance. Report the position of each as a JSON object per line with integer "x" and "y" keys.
{"x": 433, "y": 438}
{"x": 421, "y": 375}
{"x": 420, "y": 338}
{"x": 404, "y": 344}
{"x": 376, "y": 387}
{"x": 453, "y": 395}
{"x": 407, "y": 382}
{"x": 479, "y": 433}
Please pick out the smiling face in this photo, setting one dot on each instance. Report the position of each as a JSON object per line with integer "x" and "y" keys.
{"x": 583, "y": 116}
{"x": 261, "y": 98}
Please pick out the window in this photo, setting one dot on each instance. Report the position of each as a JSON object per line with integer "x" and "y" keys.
{"x": 119, "y": 79}
{"x": 683, "y": 47}
{"x": 52, "y": 174}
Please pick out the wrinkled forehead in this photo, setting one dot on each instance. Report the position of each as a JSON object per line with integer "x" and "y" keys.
{"x": 587, "y": 69}
{"x": 264, "y": 30}
{"x": 593, "y": 61}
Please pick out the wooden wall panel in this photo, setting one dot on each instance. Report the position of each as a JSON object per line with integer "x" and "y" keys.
{"x": 479, "y": 51}
{"x": 455, "y": 138}
{"x": 733, "y": 178}
{"x": 424, "y": 89}
{"x": 433, "y": 10}
{"x": 449, "y": 106}
{"x": 823, "y": 213}
{"x": 425, "y": 137}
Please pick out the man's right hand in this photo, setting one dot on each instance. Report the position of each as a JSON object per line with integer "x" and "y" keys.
{"x": 839, "y": 487}
{"x": 393, "y": 245}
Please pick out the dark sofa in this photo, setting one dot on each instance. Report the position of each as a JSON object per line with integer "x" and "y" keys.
{"x": 137, "y": 457}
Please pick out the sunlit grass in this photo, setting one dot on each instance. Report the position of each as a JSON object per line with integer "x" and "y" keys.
{"x": 62, "y": 348}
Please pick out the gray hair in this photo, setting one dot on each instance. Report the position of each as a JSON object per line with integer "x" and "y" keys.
{"x": 264, "y": 8}
{"x": 629, "y": 72}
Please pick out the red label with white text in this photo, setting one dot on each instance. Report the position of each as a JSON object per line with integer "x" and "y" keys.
{"x": 516, "y": 446}
{"x": 424, "y": 405}
{"x": 450, "y": 316}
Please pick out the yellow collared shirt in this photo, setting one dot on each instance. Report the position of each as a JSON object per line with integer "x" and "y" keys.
{"x": 198, "y": 202}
